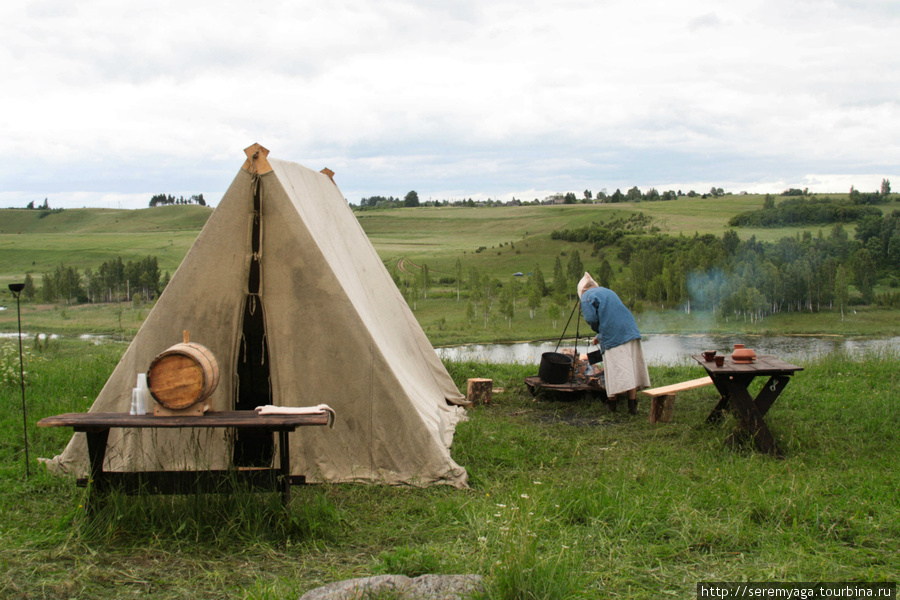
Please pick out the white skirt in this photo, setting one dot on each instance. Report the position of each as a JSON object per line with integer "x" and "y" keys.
{"x": 624, "y": 368}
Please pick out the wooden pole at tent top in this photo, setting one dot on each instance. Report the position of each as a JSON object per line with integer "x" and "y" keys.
{"x": 256, "y": 161}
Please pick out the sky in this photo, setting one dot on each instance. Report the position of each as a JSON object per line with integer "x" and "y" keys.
{"x": 105, "y": 103}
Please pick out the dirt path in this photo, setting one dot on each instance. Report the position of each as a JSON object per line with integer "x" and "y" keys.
{"x": 404, "y": 264}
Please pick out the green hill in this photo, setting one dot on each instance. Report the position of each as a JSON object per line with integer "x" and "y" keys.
{"x": 492, "y": 244}
{"x": 36, "y": 242}
{"x": 104, "y": 220}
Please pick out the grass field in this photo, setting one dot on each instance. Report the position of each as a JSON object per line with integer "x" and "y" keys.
{"x": 566, "y": 500}
{"x": 85, "y": 238}
{"x": 514, "y": 238}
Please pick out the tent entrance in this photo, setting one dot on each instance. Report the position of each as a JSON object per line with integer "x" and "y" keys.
{"x": 253, "y": 447}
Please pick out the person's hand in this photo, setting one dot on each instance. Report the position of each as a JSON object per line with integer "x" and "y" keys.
{"x": 595, "y": 341}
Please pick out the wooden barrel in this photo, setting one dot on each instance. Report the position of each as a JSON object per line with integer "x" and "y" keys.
{"x": 183, "y": 375}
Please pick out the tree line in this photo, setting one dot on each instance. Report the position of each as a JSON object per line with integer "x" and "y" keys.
{"x": 803, "y": 211}
{"x": 809, "y": 211}
{"x": 734, "y": 278}
{"x": 113, "y": 281}
{"x": 409, "y": 201}
{"x": 633, "y": 194}
{"x": 168, "y": 199}
{"x": 752, "y": 279}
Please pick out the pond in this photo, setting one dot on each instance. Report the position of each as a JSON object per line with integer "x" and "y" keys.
{"x": 660, "y": 349}
{"x": 671, "y": 349}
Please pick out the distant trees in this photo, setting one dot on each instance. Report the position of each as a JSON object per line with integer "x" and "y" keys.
{"x": 606, "y": 233}
{"x": 380, "y": 202}
{"x": 747, "y": 278}
{"x": 29, "y": 291}
{"x": 634, "y": 194}
{"x": 168, "y": 199}
{"x": 804, "y": 211}
{"x": 864, "y": 273}
{"x": 113, "y": 281}
{"x": 731, "y": 277}
{"x": 574, "y": 271}
{"x": 44, "y": 206}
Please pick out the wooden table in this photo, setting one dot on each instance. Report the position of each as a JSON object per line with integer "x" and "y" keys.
{"x": 732, "y": 380}
{"x": 96, "y": 426}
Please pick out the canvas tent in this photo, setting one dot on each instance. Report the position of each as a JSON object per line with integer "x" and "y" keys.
{"x": 285, "y": 289}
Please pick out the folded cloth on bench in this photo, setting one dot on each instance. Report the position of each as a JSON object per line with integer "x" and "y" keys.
{"x": 271, "y": 409}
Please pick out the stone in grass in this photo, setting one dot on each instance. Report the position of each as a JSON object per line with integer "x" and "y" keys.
{"x": 430, "y": 587}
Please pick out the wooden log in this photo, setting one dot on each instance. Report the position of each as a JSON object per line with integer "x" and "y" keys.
{"x": 479, "y": 391}
{"x": 662, "y": 408}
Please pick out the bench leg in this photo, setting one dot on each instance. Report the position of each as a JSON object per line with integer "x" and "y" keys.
{"x": 662, "y": 409}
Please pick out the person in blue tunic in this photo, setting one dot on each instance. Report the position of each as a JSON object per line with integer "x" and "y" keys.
{"x": 625, "y": 371}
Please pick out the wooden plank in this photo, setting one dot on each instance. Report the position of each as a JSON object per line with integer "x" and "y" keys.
{"x": 678, "y": 387}
{"x": 93, "y": 421}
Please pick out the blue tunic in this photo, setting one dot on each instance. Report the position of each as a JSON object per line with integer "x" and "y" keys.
{"x": 608, "y": 317}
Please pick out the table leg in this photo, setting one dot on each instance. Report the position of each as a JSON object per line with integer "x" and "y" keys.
{"x": 718, "y": 412}
{"x": 96, "y": 443}
{"x": 770, "y": 392}
{"x": 284, "y": 450}
{"x": 721, "y": 408}
{"x": 751, "y": 418}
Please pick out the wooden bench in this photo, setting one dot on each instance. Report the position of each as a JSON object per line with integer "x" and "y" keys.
{"x": 662, "y": 405}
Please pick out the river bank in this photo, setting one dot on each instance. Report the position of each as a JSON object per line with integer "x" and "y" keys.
{"x": 445, "y": 327}
{"x": 671, "y": 349}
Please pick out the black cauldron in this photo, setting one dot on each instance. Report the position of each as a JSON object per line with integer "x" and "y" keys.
{"x": 555, "y": 367}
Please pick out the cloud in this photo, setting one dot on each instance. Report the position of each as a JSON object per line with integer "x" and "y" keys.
{"x": 710, "y": 20}
{"x": 482, "y": 97}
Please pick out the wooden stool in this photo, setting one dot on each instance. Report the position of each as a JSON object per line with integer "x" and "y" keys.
{"x": 479, "y": 391}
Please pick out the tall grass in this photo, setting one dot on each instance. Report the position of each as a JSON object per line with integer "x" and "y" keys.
{"x": 566, "y": 500}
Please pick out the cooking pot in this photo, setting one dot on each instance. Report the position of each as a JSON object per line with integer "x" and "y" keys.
{"x": 555, "y": 367}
